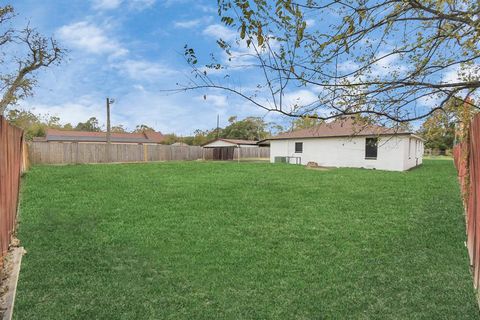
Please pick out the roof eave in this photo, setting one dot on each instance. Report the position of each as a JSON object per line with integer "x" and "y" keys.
{"x": 342, "y": 136}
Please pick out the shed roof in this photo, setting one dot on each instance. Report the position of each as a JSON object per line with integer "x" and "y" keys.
{"x": 237, "y": 142}
{"x": 86, "y": 136}
{"x": 342, "y": 127}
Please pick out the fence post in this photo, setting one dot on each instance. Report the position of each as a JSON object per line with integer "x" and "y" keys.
{"x": 145, "y": 152}
{"x": 76, "y": 152}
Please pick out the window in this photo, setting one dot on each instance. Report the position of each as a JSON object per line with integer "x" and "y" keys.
{"x": 298, "y": 147}
{"x": 371, "y": 146}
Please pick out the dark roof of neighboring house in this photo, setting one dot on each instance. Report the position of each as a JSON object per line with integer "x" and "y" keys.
{"x": 234, "y": 141}
{"x": 344, "y": 127}
{"x": 85, "y": 136}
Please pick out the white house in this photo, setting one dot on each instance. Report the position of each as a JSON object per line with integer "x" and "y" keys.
{"x": 348, "y": 143}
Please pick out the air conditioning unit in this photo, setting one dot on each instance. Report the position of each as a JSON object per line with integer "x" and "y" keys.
{"x": 280, "y": 160}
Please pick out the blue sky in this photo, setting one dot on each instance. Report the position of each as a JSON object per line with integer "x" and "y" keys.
{"x": 130, "y": 50}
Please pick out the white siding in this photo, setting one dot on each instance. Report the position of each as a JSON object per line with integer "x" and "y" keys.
{"x": 350, "y": 152}
{"x": 414, "y": 154}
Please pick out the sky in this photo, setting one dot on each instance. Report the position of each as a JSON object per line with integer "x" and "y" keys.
{"x": 131, "y": 51}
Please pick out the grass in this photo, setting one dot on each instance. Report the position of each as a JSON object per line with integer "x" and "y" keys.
{"x": 438, "y": 158}
{"x": 242, "y": 241}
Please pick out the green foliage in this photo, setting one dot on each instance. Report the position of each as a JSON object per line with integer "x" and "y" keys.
{"x": 34, "y": 125}
{"x": 193, "y": 240}
{"x": 90, "y": 125}
{"x": 250, "y": 128}
{"x": 118, "y": 129}
{"x": 142, "y": 128}
{"x": 440, "y": 128}
{"x": 438, "y": 131}
{"x": 306, "y": 122}
{"x": 171, "y": 138}
{"x": 203, "y": 136}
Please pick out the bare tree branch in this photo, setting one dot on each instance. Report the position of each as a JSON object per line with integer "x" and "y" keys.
{"x": 40, "y": 52}
{"x": 370, "y": 57}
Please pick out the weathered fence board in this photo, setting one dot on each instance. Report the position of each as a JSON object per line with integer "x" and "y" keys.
{"x": 12, "y": 162}
{"x": 467, "y": 162}
{"x": 245, "y": 153}
{"x": 74, "y": 152}
{"x": 252, "y": 153}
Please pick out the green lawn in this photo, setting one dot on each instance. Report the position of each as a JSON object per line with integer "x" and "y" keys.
{"x": 242, "y": 241}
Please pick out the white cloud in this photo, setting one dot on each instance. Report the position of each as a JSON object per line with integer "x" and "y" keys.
{"x": 207, "y": 9}
{"x": 461, "y": 73}
{"x": 187, "y": 24}
{"x": 141, "y": 4}
{"x": 114, "y": 4}
{"x": 82, "y": 109}
{"x": 192, "y": 23}
{"x": 91, "y": 38}
{"x": 219, "y": 31}
{"x": 299, "y": 98}
{"x": 348, "y": 66}
{"x": 144, "y": 70}
{"x": 216, "y": 100}
{"x": 388, "y": 65}
{"x": 169, "y": 3}
{"x": 310, "y": 23}
{"x": 106, "y": 4}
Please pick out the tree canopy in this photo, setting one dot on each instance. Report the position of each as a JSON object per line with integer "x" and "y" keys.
{"x": 442, "y": 128}
{"x": 306, "y": 122}
{"x": 141, "y": 128}
{"x": 250, "y": 128}
{"x": 395, "y": 60}
{"x": 89, "y": 125}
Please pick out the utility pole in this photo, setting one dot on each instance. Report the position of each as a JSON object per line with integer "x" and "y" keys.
{"x": 109, "y": 142}
{"x": 218, "y": 125}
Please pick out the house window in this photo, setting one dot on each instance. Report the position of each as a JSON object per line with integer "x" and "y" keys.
{"x": 371, "y": 148}
{"x": 298, "y": 147}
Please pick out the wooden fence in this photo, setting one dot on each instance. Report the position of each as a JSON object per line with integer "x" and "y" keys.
{"x": 245, "y": 153}
{"x": 12, "y": 163}
{"x": 69, "y": 153}
{"x": 252, "y": 153}
{"x": 467, "y": 162}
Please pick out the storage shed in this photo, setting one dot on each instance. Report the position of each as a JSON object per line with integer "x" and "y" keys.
{"x": 224, "y": 149}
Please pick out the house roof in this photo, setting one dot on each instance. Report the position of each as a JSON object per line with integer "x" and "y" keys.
{"x": 343, "y": 127}
{"x": 233, "y": 141}
{"x": 85, "y": 136}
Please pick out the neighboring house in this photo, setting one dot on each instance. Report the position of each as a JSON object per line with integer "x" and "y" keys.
{"x": 55, "y": 135}
{"x": 224, "y": 149}
{"x": 346, "y": 143}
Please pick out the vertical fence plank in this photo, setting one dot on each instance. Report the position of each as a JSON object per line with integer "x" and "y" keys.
{"x": 12, "y": 162}
{"x": 467, "y": 161}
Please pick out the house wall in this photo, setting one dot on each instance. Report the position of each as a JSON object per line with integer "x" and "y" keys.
{"x": 350, "y": 152}
{"x": 414, "y": 152}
